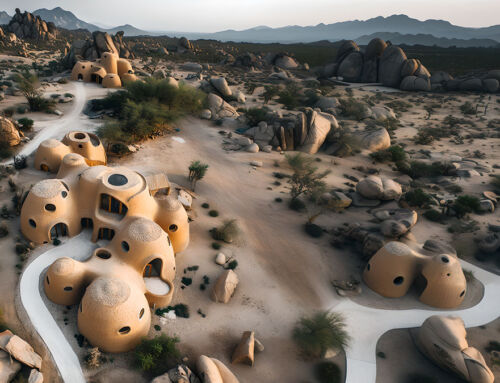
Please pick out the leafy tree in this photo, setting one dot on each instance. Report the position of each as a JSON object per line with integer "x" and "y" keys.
{"x": 290, "y": 96}
{"x": 29, "y": 86}
{"x": 306, "y": 180}
{"x": 197, "y": 171}
{"x": 322, "y": 331}
{"x": 270, "y": 91}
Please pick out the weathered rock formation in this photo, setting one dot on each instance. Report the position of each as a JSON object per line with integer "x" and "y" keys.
{"x": 14, "y": 351}
{"x": 8, "y": 132}
{"x": 443, "y": 340}
{"x": 212, "y": 370}
{"x": 244, "y": 352}
{"x": 28, "y": 26}
{"x": 225, "y": 287}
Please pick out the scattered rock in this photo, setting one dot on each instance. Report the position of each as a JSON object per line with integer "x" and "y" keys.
{"x": 225, "y": 287}
{"x": 259, "y": 347}
{"x": 206, "y": 114}
{"x": 220, "y": 259}
{"x": 244, "y": 352}
{"x": 181, "y": 374}
{"x": 20, "y": 350}
{"x": 252, "y": 148}
{"x": 35, "y": 377}
{"x": 221, "y": 85}
{"x": 377, "y": 140}
{"x": 257, "y": 164}
{"x": 9, "y": 132}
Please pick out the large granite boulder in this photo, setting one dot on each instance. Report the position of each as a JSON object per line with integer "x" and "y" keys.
{"x": 8, "y": 367}
{"x": 375, "y": 48}
{"x": 473, "y": 84}
{"x": 184, "y": 43}
{"x": 225, "y": 287}
{"x": 391, "y": 62}
{"x": 376, "y": 188}
{"x": 414, "y": 83}
{"x": 285, "y": 62}
{"x": 220, "y": 84}
{"x": 212, "y": 370}
{"x": 220, "y": 108}
{"x": 490, "y": 85}
{"x": 319, "y": 127}
{"x": 244, "y": 352}
{"x": 345, "y": 49}
{"x": 351, "y": 67}
{"x": 376, "y": 140}
{"x": 8, "y": 132}
{"x": 443, "y": 340}
{"x": 382, "y": 113}
{"x": 20, "y": 350}
{"x": 409, "y": 67}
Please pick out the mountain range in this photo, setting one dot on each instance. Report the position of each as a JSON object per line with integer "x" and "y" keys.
{"x": 399, "y": 29}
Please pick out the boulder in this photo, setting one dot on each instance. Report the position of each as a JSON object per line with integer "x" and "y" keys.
{"x": 490, "y": 85}
{"x": 371, "y": 187}
{"x": 286, "y": 62}
{"x": 338, "y": 200}
{"x": 20, "y": 350}
{"x": 409, "y": 67}
{"x": 370, "y": 70}
{"x": 391, "y": 62}
{"x": 440, "y": 77}
{"x": 261, "y": 134}
{"x": 225, "y": 286}
{"x": 185, "y": 43}
{"x": 192, "y": 67}
{"x": 319, "y": 127}
{"x": 240, "y": 96}
{"x": 359, "y": 201}
{"x": 244, "y": 352}
{"x": 9, "y": 132}
{"x": 375, "y": 48}
{"x": 35, "y": 376}
{"x": 252, "y": 148}
{"x": 422, "y": 71}
{"x": 377, "y": 140}
{"x": 392, "y": 190}
{"x": 225, "y": 373}
{"x": 472, "y": 84}
{"x": 486, "y": 206}
{"x": 395, "y": 222}
{"x": 414, "y": 83}
{"x": 206, "y": 114}
{"x": 351, "y": 67}
{"x": 220, "y": 84}
{"x": 494, "y": 73}
{"x": 212, "y": 370}
{"x": 162, "y": 379}
{"x": 220, "y": 259}
{"x": 345, "y": 49}
{"x": 8, "y": 367}
{"x": 172, "y": 82}
{"x": 181, "y": 374}
{"x": 443, "y": 340}
{"x": 104, "y": 43}
{"x": 382, "y": 113}
{"x": 220, "y": 108}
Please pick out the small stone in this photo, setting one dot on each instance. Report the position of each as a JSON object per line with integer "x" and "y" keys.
{"x": 259, "y": 347}
{"x": 257, "y": 164}
{"x": 487, "y": 206}
{"x": 252, "y": 148}
{"x": 267, "y": 149}
{"x": 220, "y": 259}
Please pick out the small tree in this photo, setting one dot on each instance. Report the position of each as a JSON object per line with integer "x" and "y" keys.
{"x": 93, "y": 358}
{"x": 197, "y": 171}
{"x": 29, "y": 86}
{"x": 306, "y": 180}
{"x": 322, "y": 331}
{"x": 157, "y": 355}
{"x": 270, "y": 91}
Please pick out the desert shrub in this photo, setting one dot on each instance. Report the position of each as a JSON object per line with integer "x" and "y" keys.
{"x": 493, "y": 345}
{"x": 26, "y": 124}
{"x": 399, "y": 105}
{"x": 418, "y": 198}
{"x": 4, "y": 230}
{"x": 424, "y": 137}
{"x": 21, "y": 109}
{"x": 157, "y": 355}
{"x": 9, "y": 112}
{"x": 417, "y": 169}
{"x": 313, "y": 230}
{"x": 467, "y": 108}
{"x": 29, "y": 86}
{"x": 213, "y": 213}
{"x": 495, "y": 181}
{"x": 465, "y": 204}
{"x": 395, "y": 153}
{"x": 94, "y": 358}
{"x": 351, "y": 108}
{"x": 197, "y": 171}
{"x": 228, "y": 232}
{"x": 434, "y": 215}
{"x": 270, "y": 91}
{"x": 327, "y": 372}
{"x": 216, "y": 245}
{"x": 420, "y": 378}
{"x": 256, "y": 115}
{"x": 322, "y": 331}
{"x": 290, "y": 96}
{"x": 297, "y": 204}
{"x": 454, "y": 189}
{"x": 305, "y": 180}
{"x": 205, "y": 205}
{"x": 231, "y": 265}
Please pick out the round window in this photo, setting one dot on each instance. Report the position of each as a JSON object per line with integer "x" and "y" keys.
{"x": 124, "y": 330}
{"x": 68, "y": 288}
{"x": 141, "y": 314}
{"x": 398, "y": 280}
{"x": 50, "y": 207}
{"x": 103, "y": 254}
{"x": 32, "y": 223}
{"x": 64, "y": 194}
{"x": 125, "y": 246}
{"x": 173, "y": 228}
{"x": 445, "y": 259}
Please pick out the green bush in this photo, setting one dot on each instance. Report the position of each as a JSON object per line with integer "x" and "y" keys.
{"x": 5, "y": 150}
{"x": 157, "y": 355}
{"x": 313, "y": 230}
{"x": 256, "y": 115}
{"x": 228, "y": 232}
{"x": 205, "y": 205}
{"x": 213, "y": 213}
{"x": 417, "y": 169}
{"x": 468, "y": 108}
{"x": 322, "y": 331}
{"x": 395, "y": 153}
{"x": 290, "y": 96}
{"x": 351, "y": 108}
{"x": 435, "y": 216}
{"x": 297, "y": 204}
{"x": 26, "y": 124}
{"x": 327, "y": 372}
{"x": 418, "y": 198}
{"x": 465, "y": 204}
{"x": 9, "y": 112}
{"x": 216, "y": 245}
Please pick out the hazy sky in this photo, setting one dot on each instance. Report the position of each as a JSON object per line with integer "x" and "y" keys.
{"x": 216, "y": 15}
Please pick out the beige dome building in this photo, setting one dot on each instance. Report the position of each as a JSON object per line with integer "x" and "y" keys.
{"x": 51, "y": 152}
{"x": 133, "y": 271}
{"x": 396, "y": 267}
{"x": 110, "y": 71}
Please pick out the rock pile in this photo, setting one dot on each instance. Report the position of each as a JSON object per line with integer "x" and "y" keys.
{"x": 14, "y": 351}
{"x": 28, "y": 26}
{"x": 91, "y": 49}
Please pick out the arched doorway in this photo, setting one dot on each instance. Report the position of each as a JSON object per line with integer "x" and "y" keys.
{"x": 153, "y": 268}
{"x": 80, "y": 77}
{"x": 44, "y": 168}
{"x": 59, "y": 230}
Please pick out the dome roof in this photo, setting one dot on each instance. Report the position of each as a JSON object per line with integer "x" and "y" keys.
{"x": 63, "y": 266}
{"x": 47, "y": 188}
{"x": 108, "y": 292}
{"x": 144, "y": 230}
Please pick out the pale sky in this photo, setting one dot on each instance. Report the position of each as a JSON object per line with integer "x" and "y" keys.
{"x": 217, "y": 15}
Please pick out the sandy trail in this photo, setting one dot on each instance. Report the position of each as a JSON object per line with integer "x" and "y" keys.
{"x": 58, "y": 128}
{"x": 67, "y": 362}
{"x": 366, "y": 325}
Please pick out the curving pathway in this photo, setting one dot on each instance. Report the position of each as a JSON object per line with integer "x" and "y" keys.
{"x": 57, "y": 128}
{"x": 66, "y": 360}
{"x": 366, "y": 324}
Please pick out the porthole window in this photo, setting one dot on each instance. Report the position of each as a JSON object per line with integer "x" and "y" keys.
{"x": 47, "y": 279}
{"x": 125, "y": 246}
{"x": 68, "y": 288}
{"x": 398, "y": 280}
{"x": 445, "y": 259}
{"x": 169, "y": 243}
{"x": 80, "y": 146}
{"x": 81, "y": 307}
{"x": 141, "y": 314}
{"x": 173, "y": 228}
{"x": 103, "y": 254}
{"x": 64, "y": 194}
{"x": 462, "y": 294}
{"x": 50, "y": 207}
{"x": 124, "y": 330}
{"x": 368, "y": 267}
{"x": 32, "y": 223}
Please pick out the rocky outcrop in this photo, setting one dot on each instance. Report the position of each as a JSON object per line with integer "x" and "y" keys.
{"x": 391, "y": 63}
{"x": 13, "y": 350}
{"x": 374, "y": 187}
{"x": 92, "y": 48}
{"x": 281, "y": 60}
{"x": 225, "y": 287}
{"x": 319, "y": 127}
{"x": 376, "y": 140}
{"x": 244, "y": 352}
{"x": 443, "y": 340}
{"x": 220, "y": 84}
{"x": 28, "y": 26}
{"x": 220, "y": 108}
{"x": 184, "y": 43}
{"x": 9, "y": 132}
{"x": 212, "y": 370}
{"x": 351, "y": 68}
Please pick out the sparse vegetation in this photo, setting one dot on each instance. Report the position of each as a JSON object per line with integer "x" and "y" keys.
{"x": 29, "y": 86}
{"x": 465, "y": 204}
{"x": 305, "y": 180}
{"x": 197, "y": 171}
{"x": 467, "y": 108}
{"x": 352, "y": 108}
{"x": 155, "y": 356}
{"x": 228, "y": 232}
{"x": 418, "y": 198}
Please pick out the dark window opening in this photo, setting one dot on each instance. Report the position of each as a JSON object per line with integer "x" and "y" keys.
{"x": 125, "y": 246}
{"x": 398, "y": 280}
{"x": 65, "y": 185}
{"x": 173, "y": 228}
{"x": 81, "y": 307}
{"x": 153, "y": 268}
{"x": 94, "y": 139}
{"x": 64, "y": 194}
{"x": 80, "y": 76}
{"x": 59, "y": 230}
{"x": 79, "y": 136}
{"x": 68, "y": 288}
{"x": 87, "y": 223}
{"x": 47, "y": 279}
{"x": 80, "y": 146}
{"x": 112, "y": 205}
{"x": 103, "y": 254}
{"x": 105, "y": 233}
{"x": 445, "y": 259}
{"x": 124, "y": 330}
{"x": 462, "y": 294}
{"x": 117, "y": 180}
{"x": 44, "y": 168}
{"x": 368, "y": 267}
{"x": 50, "y": 207}
{"x": 32, "y": 223}
{"x": 141, "y": 314}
